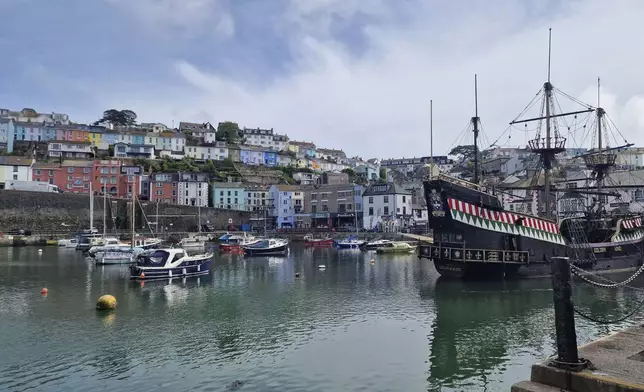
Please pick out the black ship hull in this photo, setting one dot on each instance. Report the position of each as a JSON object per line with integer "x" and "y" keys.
{"x": 474, "y": 237}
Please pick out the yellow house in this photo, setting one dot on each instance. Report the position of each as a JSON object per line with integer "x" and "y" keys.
{"x": 302, "y": 163}
{"x": 95, "y": 137}
{"x": 314, "y": 165}
{"x": 293, "y": 147}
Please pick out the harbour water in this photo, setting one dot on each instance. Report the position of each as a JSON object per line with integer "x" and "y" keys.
{"x": 253, "y": 325}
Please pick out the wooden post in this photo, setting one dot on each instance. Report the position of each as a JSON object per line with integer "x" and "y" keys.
{"x": 567, "y": 353}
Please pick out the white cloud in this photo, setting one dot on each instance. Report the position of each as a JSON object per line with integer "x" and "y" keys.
{"x": 193, "y": 16}
{"x": 378, "y": 104}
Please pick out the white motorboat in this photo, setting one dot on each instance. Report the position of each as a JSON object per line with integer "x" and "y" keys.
{"x": 192, "y": 244}
{"x": 167, "y": 263}
{"x": 271, "y": 246}
{"x": 68, "y": 243}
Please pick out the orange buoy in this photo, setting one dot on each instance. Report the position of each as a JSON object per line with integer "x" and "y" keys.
{"x": 142, "y": 275}
{"x": 44, "y": 290}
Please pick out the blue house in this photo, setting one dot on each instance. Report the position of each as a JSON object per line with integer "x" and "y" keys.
{"x": 270, "y": 158}
{"x": 110, "y": 137}
{"x": 49, "y": 133}
{"x": 7, "y": 133}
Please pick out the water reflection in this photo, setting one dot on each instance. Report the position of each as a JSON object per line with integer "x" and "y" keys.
{"x": 277, "y": 324}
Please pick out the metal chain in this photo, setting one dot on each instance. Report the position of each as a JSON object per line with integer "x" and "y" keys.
{"x": 579, "y": 272}
{"x": 619, "y": 320}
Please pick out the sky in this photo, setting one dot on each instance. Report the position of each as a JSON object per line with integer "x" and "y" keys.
{"x": 350, "y": 74}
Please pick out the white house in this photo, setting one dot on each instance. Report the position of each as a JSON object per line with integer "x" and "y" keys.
{"x": 216, "y": 152}
{"x": 30, "y": 115}
{"x": 13, "y": 168}
{"x": 284, "y": 160}
{"x": 123, "y": 150}
{"x": 257, "y": 198}
{"x": 193, "y": 189}
{"x": 69, "y": 149}
{"x": 283, "y": 204}
{"x": 264, "y": 138}
{"x": 387, "y": 207}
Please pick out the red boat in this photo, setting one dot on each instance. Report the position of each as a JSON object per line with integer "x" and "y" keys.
{"x": 310, "y": 241}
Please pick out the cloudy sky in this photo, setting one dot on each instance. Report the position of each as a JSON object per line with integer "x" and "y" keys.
{"x": 350, "y": 74}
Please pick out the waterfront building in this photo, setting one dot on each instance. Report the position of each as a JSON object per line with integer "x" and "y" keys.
{"x": 28, "y": 131}
{"x": 251, "y": 155}
{"x": 283, "y": 204}
{"x": 333, "y": 206}
{"x": 69, "y": 149}
{"x": 30, "y": 115}
{"x": 256, "y": 198}
{"x": 182, "y": 188}
{"x": 75, "y": 176}
{"x": 14, "y": 168}
{"x": 306, "y": 178}
{"x": 264, "y": 138}
{"x": 387, "y": 207}
{"x": 229, "y": 195}
{"x": 630, "y": 159}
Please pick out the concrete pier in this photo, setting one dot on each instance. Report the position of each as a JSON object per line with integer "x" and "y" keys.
{"x": 617, "y": 365}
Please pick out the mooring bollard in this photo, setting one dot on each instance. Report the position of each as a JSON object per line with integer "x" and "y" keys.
{"x": 568, "y": 356}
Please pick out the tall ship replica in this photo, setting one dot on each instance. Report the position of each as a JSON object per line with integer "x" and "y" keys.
{"x": 476, "y": 237}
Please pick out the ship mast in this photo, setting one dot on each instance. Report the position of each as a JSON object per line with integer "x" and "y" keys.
{"x": 475, "y": 128}
{"x": 553, "y": 143}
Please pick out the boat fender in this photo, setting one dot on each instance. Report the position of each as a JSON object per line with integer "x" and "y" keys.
{"x": 170, "y": 273}
{"x": 184, "y": 271}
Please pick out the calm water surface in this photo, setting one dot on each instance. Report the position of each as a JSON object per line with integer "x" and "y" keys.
{"x": 356, "y": 326}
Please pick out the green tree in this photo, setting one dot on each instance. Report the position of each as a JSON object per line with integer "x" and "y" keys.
{"x": 465, "y": 153}
{"x": 383, "y": 174}
{"x": 228, "y": 131}
{"x": 350, "y": 172}
{"x": 124, "y": 117}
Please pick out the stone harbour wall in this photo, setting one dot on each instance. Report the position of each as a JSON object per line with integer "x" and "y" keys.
{"x": 59, "y": 213}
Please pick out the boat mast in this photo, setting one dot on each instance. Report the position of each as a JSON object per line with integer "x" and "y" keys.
{"x": 600, "y": 115}
{"x": 475, "y": 124}
{"x": 133, "y": 212}
{"x": 199, "y": 215}
{"x": 104, "y": 214}
{"x": 550, "y": 145}
{"x": 91, "y": 208}
{"x": 431, "y": 132}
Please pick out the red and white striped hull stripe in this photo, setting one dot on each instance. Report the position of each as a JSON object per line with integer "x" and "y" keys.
{"x": 503, "y": 216}
{"x": 632, "y": 223}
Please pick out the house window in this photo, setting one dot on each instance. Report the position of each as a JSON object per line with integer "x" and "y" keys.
{"x": 15, "y": 177}
{"x": 115, "y": 170}
{"x": 37, "y": 172}
{"x": 386, "y": 210}
{"x": 325, "y": 207}
{"x": 370, "y": 199}
{"x": 69, "y": 186}
{"x": 159, "y": 193}
{"x": 51, "y": 172}
{"x": 404, "y": 210}
{"x": 370, "y": 211}
{"x": 70, "y": 170}
{"x": 349, "y": 207}
{"x": 86, "y": 186}
{"x": 69, "y": 178}
{"x": 386, "y": 200}
{"x": 113, "y": 180}
{"x": 85, "y": 178}
{"x": 159, "y": 185}
{"x": 404, "y": 199}
{"x": 86, "y": 170}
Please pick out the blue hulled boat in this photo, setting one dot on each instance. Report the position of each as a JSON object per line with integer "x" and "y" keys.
{"x": 169, "y": 263}
{"x": 271, "y": 246}
{"x": 351, "y": 242}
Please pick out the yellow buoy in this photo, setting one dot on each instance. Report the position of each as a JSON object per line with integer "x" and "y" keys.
{"x": 106, "y": 302}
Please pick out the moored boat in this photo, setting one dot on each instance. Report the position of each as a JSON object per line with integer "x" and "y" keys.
{"x": 309, "y": 240}
{"x": 168, "y": 263}
{"x": 192, "y": 244}
{"x": 351, "y": 242}
{"x": 396, "y": 248}
{"x": 476, "y": 236}
{"x": 237, "y": 242}
{"x": 373, "y": 245}
{"x": 271, "y": 246}
{"x": 68, "y": 243}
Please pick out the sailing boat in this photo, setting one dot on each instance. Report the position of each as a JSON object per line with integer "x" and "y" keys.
{"x": 352, "y": 241}
{"x": 89, "y": 237}
{"x": 476, "y": 237}
{"x": 121, "y": 253}
{"x": 195, "y": 243}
